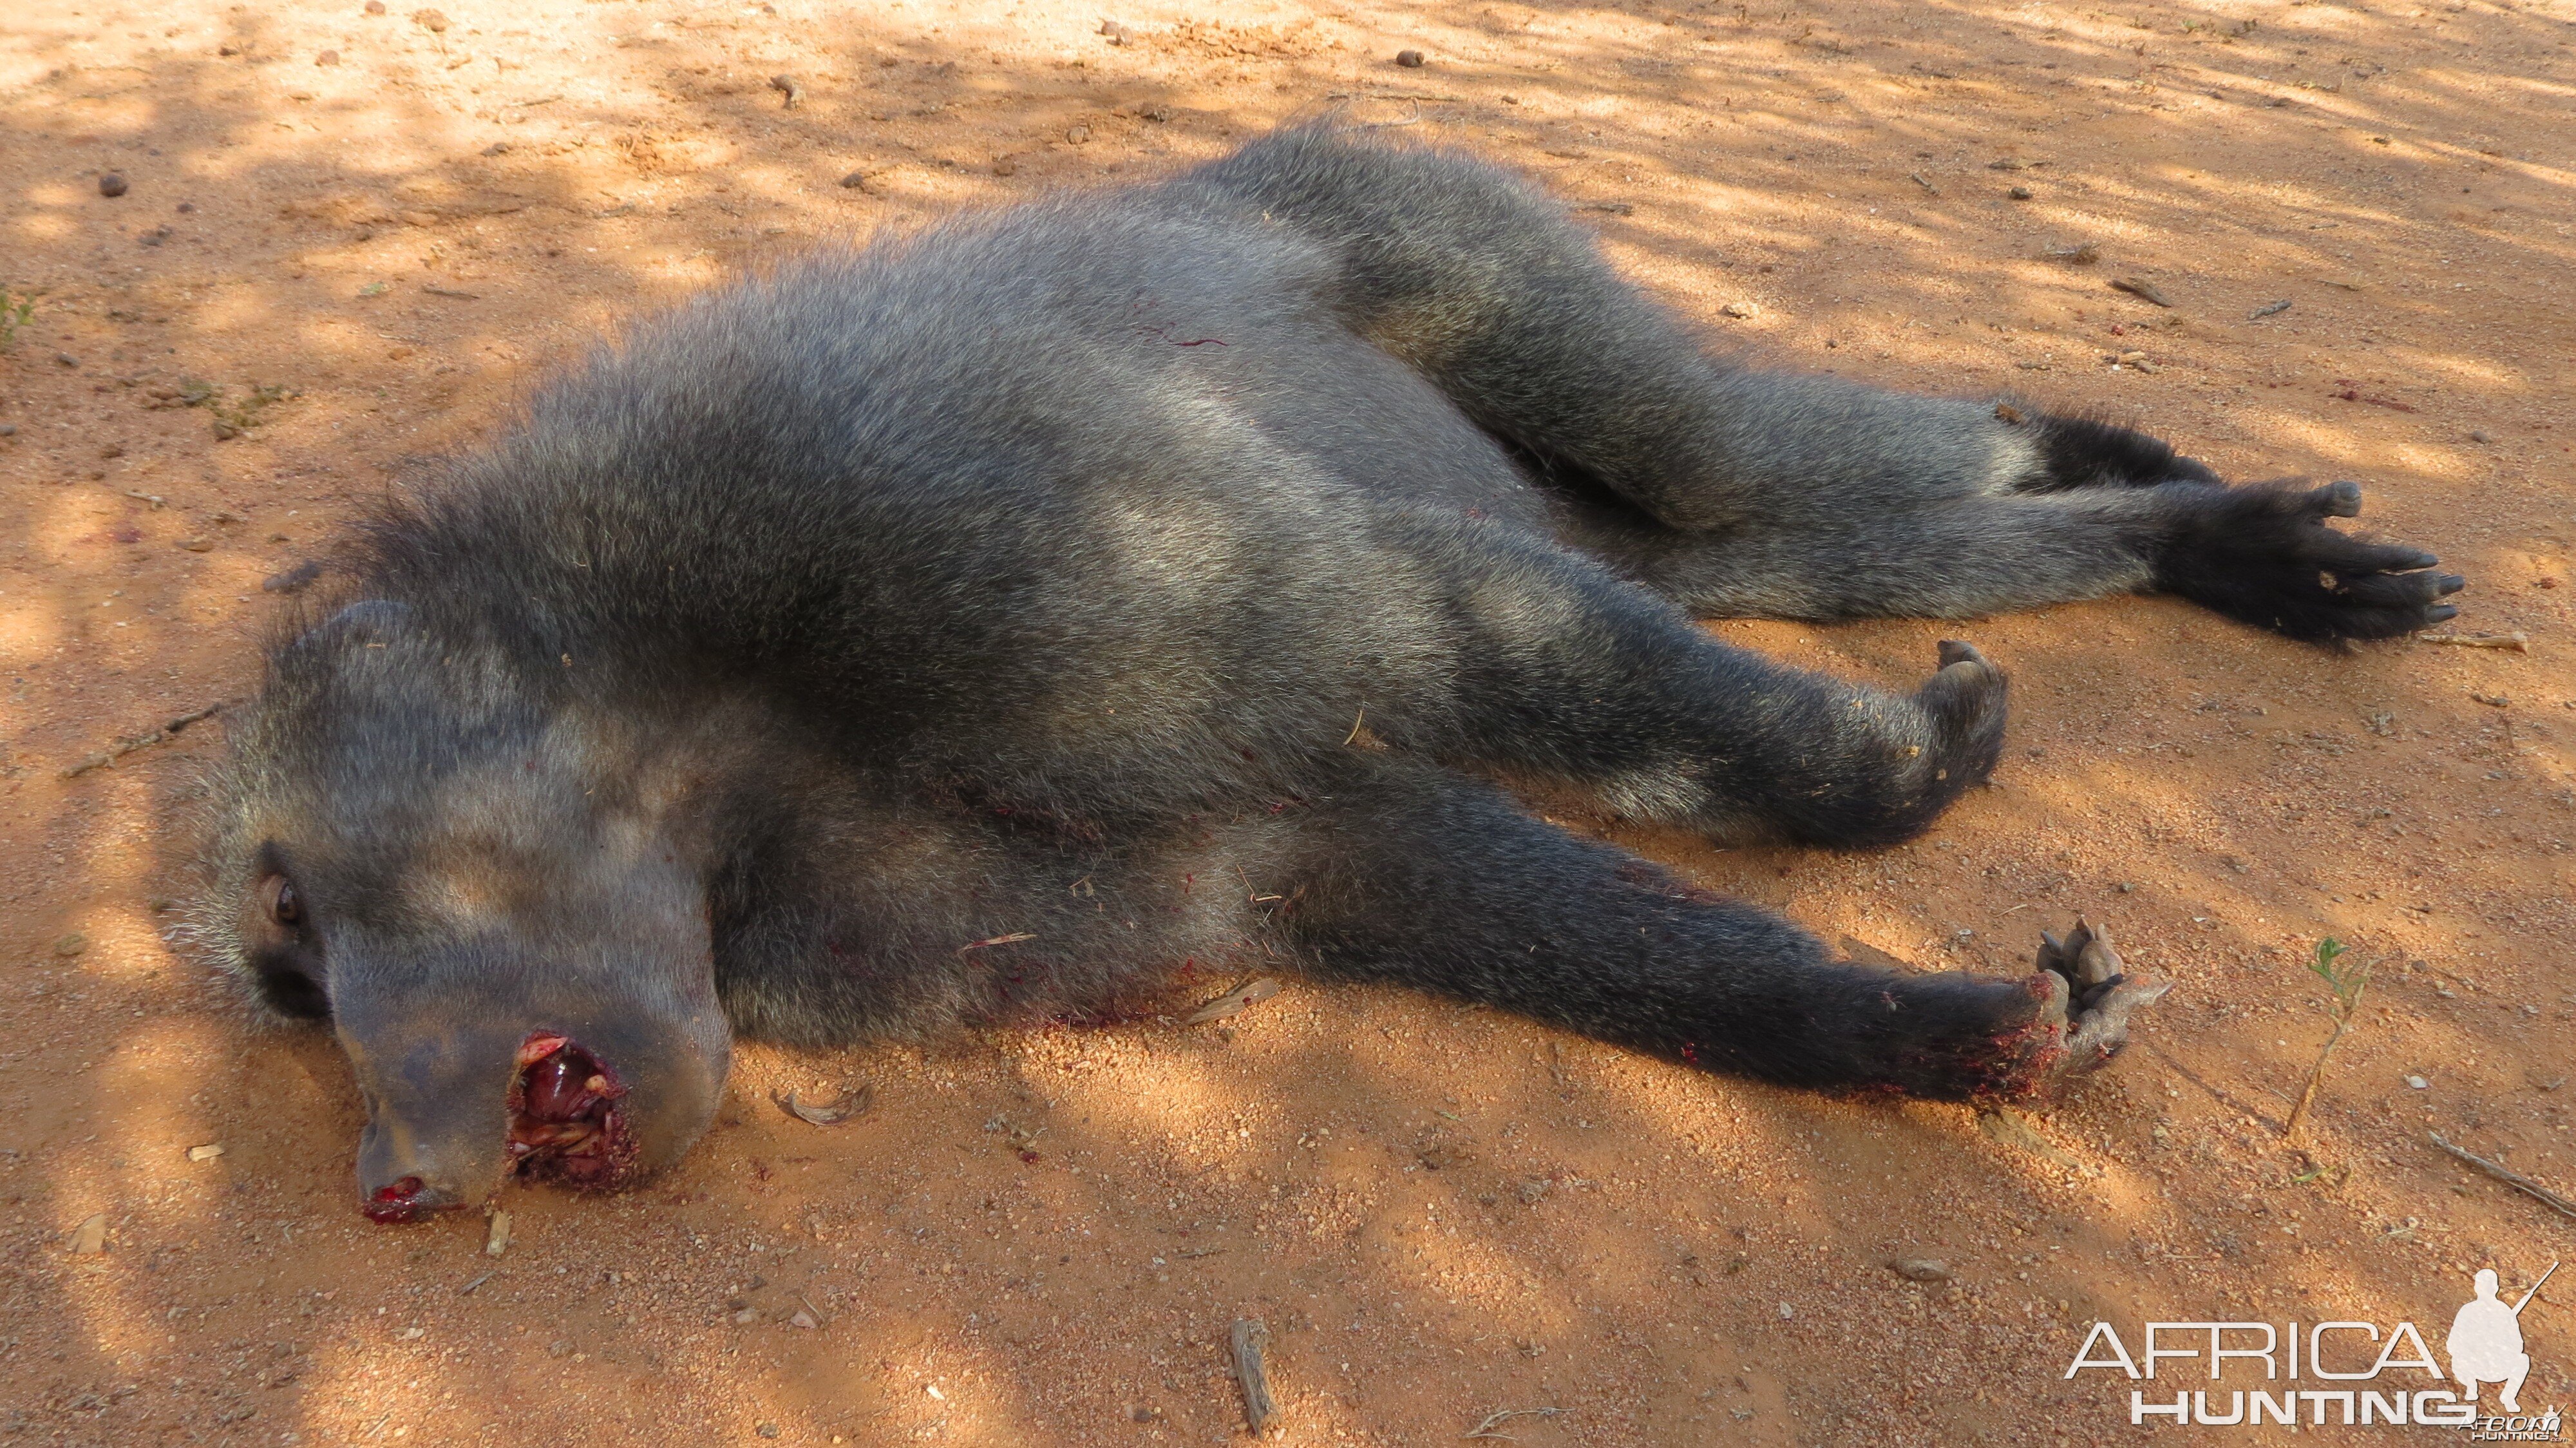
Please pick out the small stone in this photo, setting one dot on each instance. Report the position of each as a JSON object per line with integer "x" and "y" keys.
{"x": 857, "y": 181}
{"x": 375, "y": 7}
{"x": 1740, "y": 310}
{"x": 111, "y": 184}
{"x": 207, "y": 1152}
{"x": 8, "y": 429}
{"x": 1077, "y": 134}
{"x": 2479, "y": 434}
{"x": 91, "y": 1235}
{"x": 430, "y": 20}
{"x": 2419, "y": 1083}
{"x": 560, "y": 1347}
{"x": 497, "y": 148}
{"x": 1532, "y": 1189}
{"x": 2019, "y": 193}
{"x": 293, "y": 580}
{"x": 804, "y": 1320}
{"x": 66, "y": 359}
{"x": 194, "y": 545}
{"x": 328, "y": 57}
{"x": 1113, "y": 32}
{"x": 1005, "y": 167}
{"x": 1921, "y": 1269}
{"x": 71, "y": 945}
{"x": 496, "y": 1236}
{"x": 186, "y": 207}
{"x": 1156, "y": 114}
{"x": 420, "y": 218}
{"x": 1787, "y": 1312}
{"x": 746, "y": 1317}
{"x": 767, "y": 1430}
{"x": 1409, "y": 59}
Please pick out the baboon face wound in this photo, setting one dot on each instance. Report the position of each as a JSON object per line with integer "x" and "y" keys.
{"x": 479, "y": 893}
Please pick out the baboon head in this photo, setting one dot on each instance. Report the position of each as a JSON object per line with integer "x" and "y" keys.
{"x": 470, "y": 878}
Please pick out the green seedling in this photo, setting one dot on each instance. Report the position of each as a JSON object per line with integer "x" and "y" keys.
{"x": 14, "y": 312}
{"x": 2347, "y": 983}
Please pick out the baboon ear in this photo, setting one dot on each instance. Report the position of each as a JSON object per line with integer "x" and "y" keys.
{"x": 370, "y": 620}
{"x": 368, "y": 623}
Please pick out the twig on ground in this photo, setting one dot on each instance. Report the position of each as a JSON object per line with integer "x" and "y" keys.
{"x": 1258, "y": 1409}
{"x": 126, "y": 746}
{"x": 2509, "y": 1177}
{"x": 2516, "y": 640}
{"x": 1492, "y": 1427}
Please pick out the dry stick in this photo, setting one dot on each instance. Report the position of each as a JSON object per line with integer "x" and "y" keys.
{"x": 124, "y": 747}
{"x": 1258, "y": 1409}
{"x": 2509, "y": 1177}
{"x": 2516, "y": 640}
{"x": 2347, "y": 991}
{"x": 1492, "y": 1426}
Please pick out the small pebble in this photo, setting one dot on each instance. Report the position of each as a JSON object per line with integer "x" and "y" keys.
{"x": 91, "y": 1235}
{"x": 1005, "y": 166}
{"x": 497, "y": 148}
{"x": 328, "y": 57}
{"x": 1739, "y": 309}
{"x": 430, "y": 20}
{"x": 2019, "y": 193}
{"x": 293, "y": 580}
{"x": 2479, "y": 434}
{"x": 111, "y": 184}
{"x": 1921, "y": 1269}
{"x": 1409, "y": 59}
{"x": 8, "y": 429}
{"x": 767, "y": 1430}
{"x": 194, "y": 545}
{"x": 496, "y": 1238}
{"x": 66, "y": 359}
{"x": 2419, "y": 1083}
{"x": 375, "y": 7}
{"x": 208, "y": 1152}
{"x": 185, "y": 207}
{"x": 1078, "y": 134}
{"x": 71, "y": 945}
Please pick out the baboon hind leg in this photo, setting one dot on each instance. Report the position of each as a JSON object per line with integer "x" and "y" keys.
{"x": 1811, "y": 497}
{"x": 1413, "y": 878}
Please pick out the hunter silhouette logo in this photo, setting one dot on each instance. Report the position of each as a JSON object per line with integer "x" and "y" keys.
{"x": 2486, "y": 1340}
{"x": 2362, "y": 1376}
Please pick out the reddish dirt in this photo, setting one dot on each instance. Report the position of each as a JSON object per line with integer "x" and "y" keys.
{"x": 1042, "y": 1237}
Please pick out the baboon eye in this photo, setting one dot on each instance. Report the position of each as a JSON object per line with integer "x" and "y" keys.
{"x": 283, "y": 907}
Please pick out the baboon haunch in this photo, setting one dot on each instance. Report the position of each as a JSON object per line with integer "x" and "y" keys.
{"x": 984, "y": 624}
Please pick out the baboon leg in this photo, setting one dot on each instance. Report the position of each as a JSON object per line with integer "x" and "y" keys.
{"x": 1481, "y": 283}
{"x": 2260, "y": 554}
{"x": 1815, "y": 497}
{"x": 1417, "y": 879}
{"x": 1559, "y": 667}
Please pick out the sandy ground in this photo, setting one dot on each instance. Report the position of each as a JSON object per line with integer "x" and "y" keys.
{"x": 1042, "y": 1237}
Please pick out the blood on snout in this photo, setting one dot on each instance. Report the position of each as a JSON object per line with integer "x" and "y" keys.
{"x": 399, "y": 1202}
